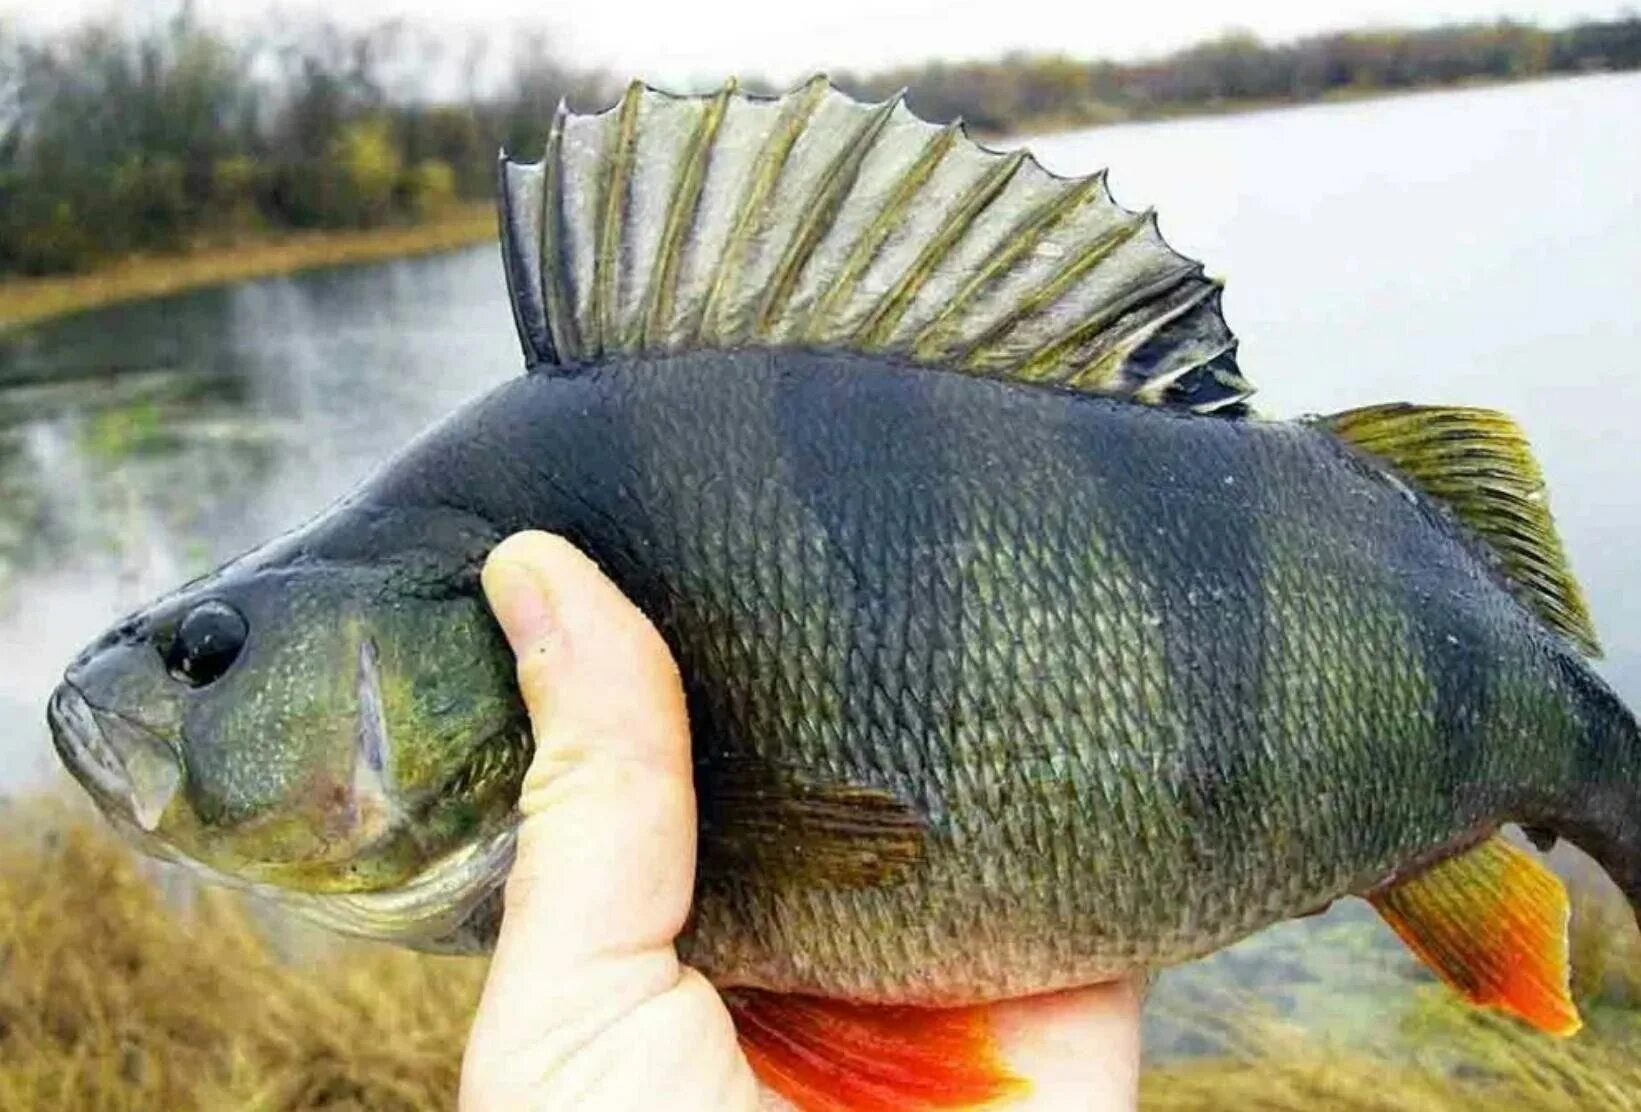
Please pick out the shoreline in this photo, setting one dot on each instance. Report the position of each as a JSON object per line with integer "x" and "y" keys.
{"x": 28, "y": 301}
{"x": 1058, "y": 124}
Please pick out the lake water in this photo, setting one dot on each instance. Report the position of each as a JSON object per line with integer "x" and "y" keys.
{"x": 1479, "y": 247}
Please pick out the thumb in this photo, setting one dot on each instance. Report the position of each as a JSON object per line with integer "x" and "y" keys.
{"x": 606, "y": 847}
{"x": 608, "y": 805}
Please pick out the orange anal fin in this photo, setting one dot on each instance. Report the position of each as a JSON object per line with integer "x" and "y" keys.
{"x": 832, "y": 1056}
{"x": 1492, "y": 923}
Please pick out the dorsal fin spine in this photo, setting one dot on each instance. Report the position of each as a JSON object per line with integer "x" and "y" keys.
{"x": 681, "y": 212}
{"x": 771, "y": 161}
{"x": 885, "y": 315}
{"x": 822, "y": 209}
{"x": 612, "y": 204}
{"x": 1042, "y": 366}
{"x": 1155, "y": 389}
{"x": 1022, "y": 239}
{"x": 1051, "y": 289}
{"x": 868, "y": 243}
{"x": 561, "y": 321}
{"x": 520, "y": 212}
{"x": 1109, "y": 363}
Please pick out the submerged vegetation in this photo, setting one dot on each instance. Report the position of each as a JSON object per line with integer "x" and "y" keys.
{"x": 122, "y": 993}
{"x": 121, "y": 137}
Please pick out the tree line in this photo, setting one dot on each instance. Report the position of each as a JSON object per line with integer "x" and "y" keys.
{"x": 115, "y": 140}
{"x": 1018, "y": 93}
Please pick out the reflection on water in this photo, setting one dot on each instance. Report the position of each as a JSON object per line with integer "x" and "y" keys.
{"x": 144, "y": 444}
{"x": 1474, "y": 247}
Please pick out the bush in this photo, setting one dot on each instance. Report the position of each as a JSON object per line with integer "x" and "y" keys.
{"x": 429, "y": 186}
{"x": 365, "y": 168}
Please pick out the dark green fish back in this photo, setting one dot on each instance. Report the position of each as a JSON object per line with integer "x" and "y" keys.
{"x": 1147, "y": 681}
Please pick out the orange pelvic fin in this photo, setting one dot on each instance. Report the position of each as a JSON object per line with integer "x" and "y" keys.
{"x": 831, "y": 1056}
{"x": 1492, "y": 923}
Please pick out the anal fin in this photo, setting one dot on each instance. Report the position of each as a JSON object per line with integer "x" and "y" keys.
{"x": 833, "y": 1056}
{"x": 1492, "y": 923}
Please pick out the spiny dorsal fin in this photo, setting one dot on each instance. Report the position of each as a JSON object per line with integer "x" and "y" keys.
{"x": 1478, "y": 463}
{"x": 812, "y": 220}
{"x": 1492, "y": 923}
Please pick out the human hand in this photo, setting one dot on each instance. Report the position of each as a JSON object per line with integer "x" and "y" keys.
{"x": 586, "y": 1005}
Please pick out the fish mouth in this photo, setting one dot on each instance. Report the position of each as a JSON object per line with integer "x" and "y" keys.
{"x": 451, "y": 905}
{"x": 128, "y": 769}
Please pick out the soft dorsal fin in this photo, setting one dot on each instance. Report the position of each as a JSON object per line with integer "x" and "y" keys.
{"x": 834, "y": 1056}
{"x": 1478, "y": 463}
{"x": 1492, "y": 923}
{"x": 813, "y": 220}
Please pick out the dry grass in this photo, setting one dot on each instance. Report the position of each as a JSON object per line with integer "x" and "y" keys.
{"x": 27, "y": 300}
{"x": 1463, "y": 1061}
{"x": 114, "y": 996}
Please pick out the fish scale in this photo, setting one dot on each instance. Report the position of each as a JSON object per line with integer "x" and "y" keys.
{"x": 888, "y": 712}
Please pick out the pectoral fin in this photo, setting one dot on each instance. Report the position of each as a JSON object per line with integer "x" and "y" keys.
{"x": 1492, "y": 923}
{"x": 755, "y": 820}
{"x": 832, "y": 1056}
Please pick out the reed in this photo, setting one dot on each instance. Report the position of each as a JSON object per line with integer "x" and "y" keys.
{"x": 121, "y": 988}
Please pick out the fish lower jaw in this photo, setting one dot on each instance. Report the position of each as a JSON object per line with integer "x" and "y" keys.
{"x": 431, "y": 910}
{"x": 431, "y": 907}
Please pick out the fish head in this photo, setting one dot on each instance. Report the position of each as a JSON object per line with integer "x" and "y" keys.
{"x": 344, "y": 735}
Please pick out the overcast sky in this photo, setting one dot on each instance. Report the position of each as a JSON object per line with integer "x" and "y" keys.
{"x": 678, "y": 39}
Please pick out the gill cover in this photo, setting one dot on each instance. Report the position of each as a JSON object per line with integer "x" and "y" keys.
{"x": 813, "y": 220}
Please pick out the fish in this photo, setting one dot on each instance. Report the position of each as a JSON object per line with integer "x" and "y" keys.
{"x": 1021, "y": 651}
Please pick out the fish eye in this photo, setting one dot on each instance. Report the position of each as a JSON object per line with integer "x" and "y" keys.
{"x": 206, "y": 644}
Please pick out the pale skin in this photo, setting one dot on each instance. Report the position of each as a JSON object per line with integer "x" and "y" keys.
{"x": 586, "y": 1005}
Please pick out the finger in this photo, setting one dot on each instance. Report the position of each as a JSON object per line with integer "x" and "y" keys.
{"x": 605, "y": 867}
{"x": 1079, "y": 1049}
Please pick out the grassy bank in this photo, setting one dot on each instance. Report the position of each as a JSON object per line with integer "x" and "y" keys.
{"x": 27, "y": 300}
{"x": 114, "y": 996}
